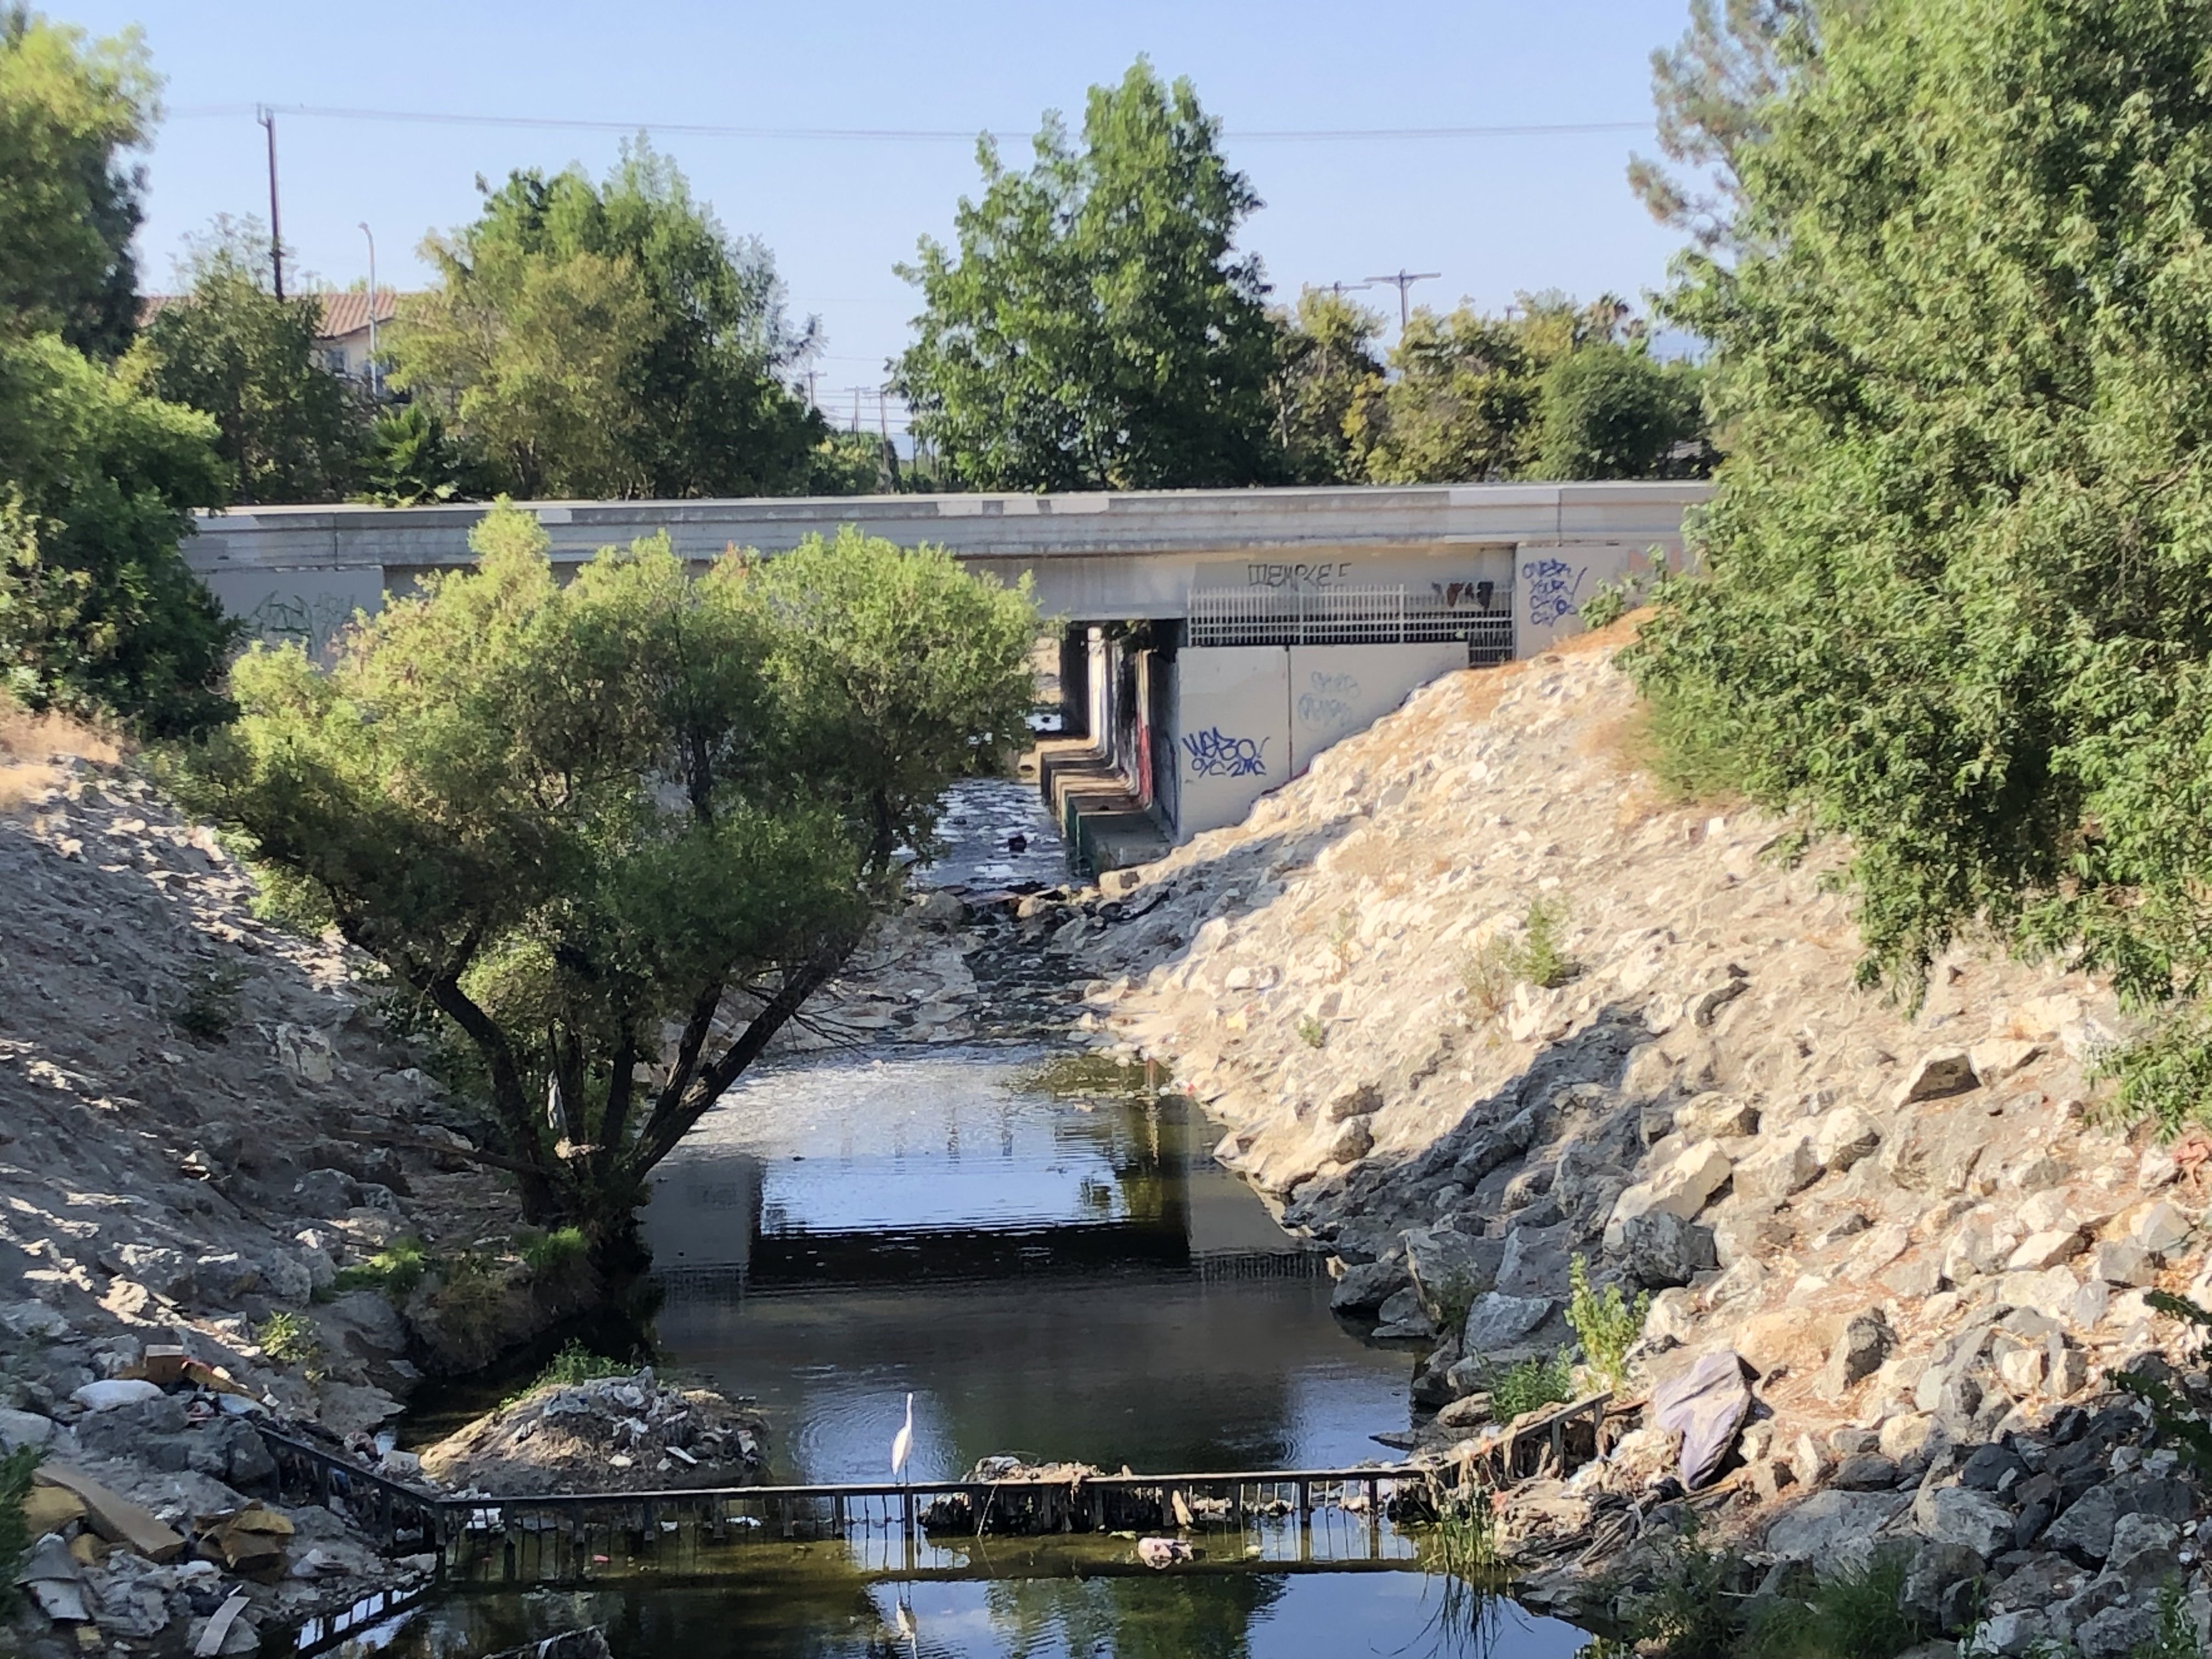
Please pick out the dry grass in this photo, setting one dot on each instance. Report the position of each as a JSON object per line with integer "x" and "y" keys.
{"x": 30, "y": 744}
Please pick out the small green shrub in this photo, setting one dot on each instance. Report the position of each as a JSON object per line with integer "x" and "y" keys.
{"x": 208, "y": 1012}
{"x": 1343, "y": 933}
{"x": 1311, "y": 1032}
{"x": 290, "y": 1340}
{"x": 2174, "y": 1418}
{"x": 575, "y": 1364}
{"x": 2177, "y": 1630}
{"x": 1489, "y": 971}
{"x": 1533, "y": 1382}
{"x": 1449, "y": 1302}
{"x": 1847, "y": 1615}
{"x": 1543, "y": 960}
{"x": 1606, "y": 1324}
{"x": 396, "y": 1270}
{"x": 555, "y": 1252}
{"x": 15, "y": 1532}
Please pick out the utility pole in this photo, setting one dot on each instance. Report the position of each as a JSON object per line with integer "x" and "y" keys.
{"x": 859, "y": 392}
{"x": 267, "y": 117}
{"x": 1404, "y": 280}
{"x": 812, "y": 402}
{"x": 371, "y": 234}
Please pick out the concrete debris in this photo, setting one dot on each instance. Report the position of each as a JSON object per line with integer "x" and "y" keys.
{"x": 630, "y": 1433}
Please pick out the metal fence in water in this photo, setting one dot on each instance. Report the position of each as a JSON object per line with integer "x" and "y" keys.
{"x": 1268, "y": 1519}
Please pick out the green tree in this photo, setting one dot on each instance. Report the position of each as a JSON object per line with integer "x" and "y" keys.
{"x": 1713, "y": 93}
{"x": 1612, "y": 411}
{"x": 575, "y": 817}
{"x": 411, "y": 462}
{"x": 290, "y": 429}
{"x": 1959, "y": 605}
{"x": 98, "y": 609}
{"x": 1467, "y": 404}
{"x": 69, "y": 111}
{"x": 1325, "y": 371}
{"x": 609, "y": 340}
{"x": 1095, "y": 328}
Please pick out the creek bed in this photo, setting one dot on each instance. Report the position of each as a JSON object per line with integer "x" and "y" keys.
{"x": 1045, "y": 1256}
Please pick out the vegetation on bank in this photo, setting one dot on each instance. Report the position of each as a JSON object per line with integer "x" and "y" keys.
{"x": 1957, "y": 602}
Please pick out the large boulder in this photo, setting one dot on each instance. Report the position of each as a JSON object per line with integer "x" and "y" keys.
{"x": 1866, "y": 1342}
{"x": 1662, "y": 1251}
{"x": 1534, "y": 1261}
{"x": 1496, "y": 1321}
{"x": 1448, "y": 1267}
{"x": 1364, "y": 1289}
{"x": 1811, "y": 1530}
{"x": 1682, "y": 1187}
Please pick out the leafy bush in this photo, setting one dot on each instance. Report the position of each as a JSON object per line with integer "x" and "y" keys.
{"x": 1311, "y": 1031}
{"x": 1608, "y": 604}
{"x": 290, "y": 1339}
{"x": 1533, "y": 1382}
{"x": 2177, "y": 1630}
{"x": 1606, "y": 1324}
{"x": 15, "y": 1532}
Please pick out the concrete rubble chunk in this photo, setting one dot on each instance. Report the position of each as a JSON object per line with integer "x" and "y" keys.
{"x": 1973, "y": 1520}
{"x": 1663, "y": 1250}
{"x": 1682, "y": 1189}
{"x": 1811, "y": 1530}
{"x": 2045, "y": 1249}
{"x": 1842, "y": 1137}
{"x": 1866, "y": 1342}
{"x": 1785, "y": 1163}
{"x": 2162, "y": 1229}
{"x": 1938, "y": 1073}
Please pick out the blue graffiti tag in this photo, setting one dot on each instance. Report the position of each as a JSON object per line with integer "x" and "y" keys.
{"x": 1552, "y": 585}
{"x": 1213, "y": 755}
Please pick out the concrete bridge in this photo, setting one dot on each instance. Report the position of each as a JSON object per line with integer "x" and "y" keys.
{"x": 1213, "y": 641}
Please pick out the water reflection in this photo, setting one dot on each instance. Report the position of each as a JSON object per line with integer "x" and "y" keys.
{"x": 1065, "y": 1279}
{"x": 827, "y": 1615}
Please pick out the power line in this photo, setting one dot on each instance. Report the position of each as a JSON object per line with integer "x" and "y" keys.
{"x": 892, "y": 135}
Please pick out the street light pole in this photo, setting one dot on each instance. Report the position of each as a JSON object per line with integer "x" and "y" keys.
{"x": 371, "y": 234}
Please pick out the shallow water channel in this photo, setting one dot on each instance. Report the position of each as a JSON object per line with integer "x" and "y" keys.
{"x": 1060, "y": 1271}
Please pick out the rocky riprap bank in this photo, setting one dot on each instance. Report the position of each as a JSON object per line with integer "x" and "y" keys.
{"x": 1909, "y": 1226}
{"x": 203, "y": 1122}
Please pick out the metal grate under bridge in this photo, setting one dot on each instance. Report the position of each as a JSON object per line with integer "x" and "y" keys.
{"x": 1374, "y": 614}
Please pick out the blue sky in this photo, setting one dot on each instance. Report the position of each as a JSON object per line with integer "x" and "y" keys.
{"x": 1494, "y": 214}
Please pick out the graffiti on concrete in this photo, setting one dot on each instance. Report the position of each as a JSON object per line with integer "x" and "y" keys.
{"x": 1475, "y": 594}
{"x": 1330, "y": 701}
{"x": 1214, "y": 754}
{"x": 314, "y": 621}
{"x": 1551, "y": 586}
{"x": 1297, "y": 576}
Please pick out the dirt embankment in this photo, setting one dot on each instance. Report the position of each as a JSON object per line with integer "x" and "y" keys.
{"x": 1475, "y": 997}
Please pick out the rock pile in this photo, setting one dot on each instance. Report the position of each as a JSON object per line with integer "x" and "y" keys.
{"x": 1909, "y": 1223}
{"x": 199, "y": 1115}
{"x": 611, "y": 1434}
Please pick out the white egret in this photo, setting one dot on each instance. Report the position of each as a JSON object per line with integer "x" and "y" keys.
{"x": 902, "y": 1442}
